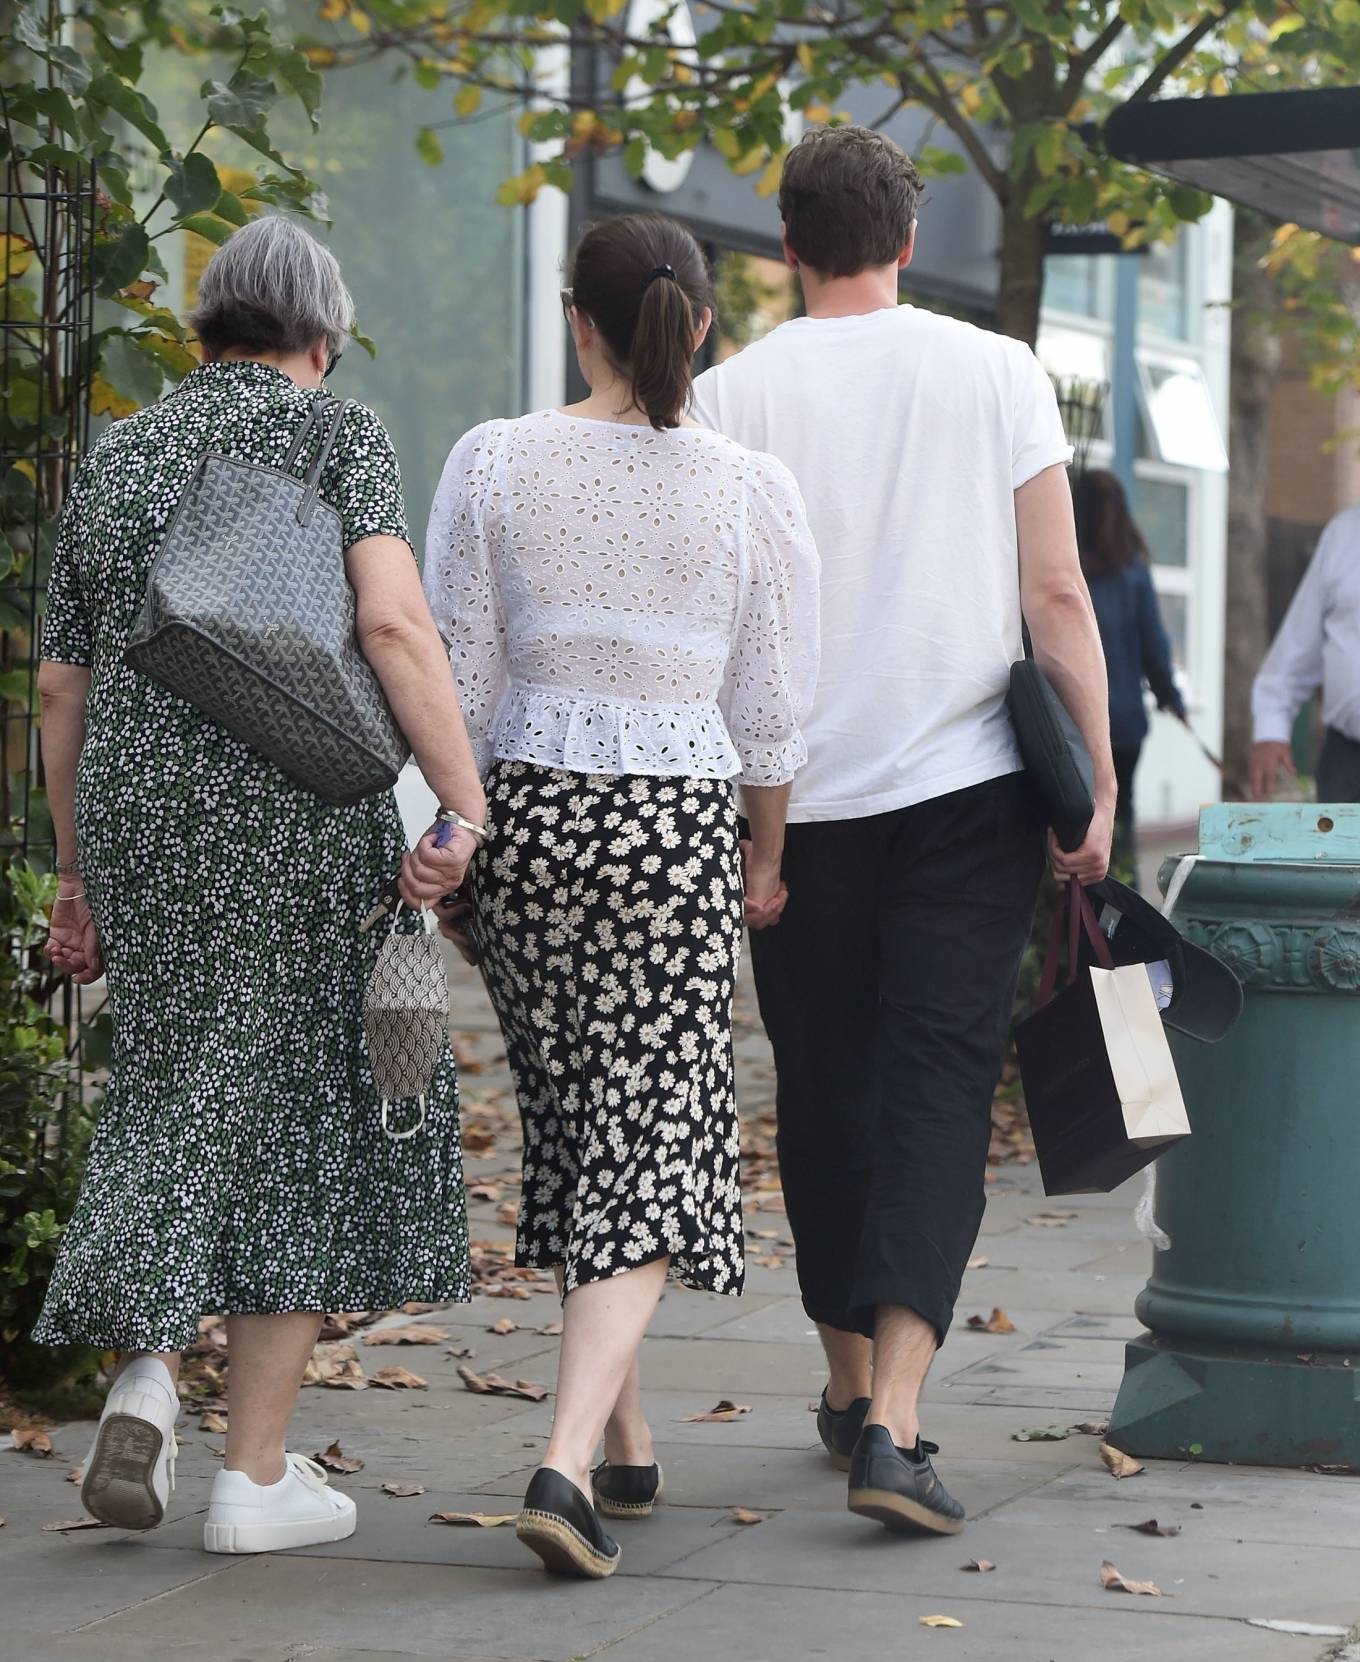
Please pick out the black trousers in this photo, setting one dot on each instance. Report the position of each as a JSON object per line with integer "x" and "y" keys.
{"x": 886, "y": 990}
{"x": 1338, "y": 769}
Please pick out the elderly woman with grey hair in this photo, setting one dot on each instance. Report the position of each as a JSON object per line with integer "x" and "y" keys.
{"x": 239, "y": 1167}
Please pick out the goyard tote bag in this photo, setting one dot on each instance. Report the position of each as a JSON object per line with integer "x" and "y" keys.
{"x": 249, "y": 617}
{"x": 1100, "y": 1084}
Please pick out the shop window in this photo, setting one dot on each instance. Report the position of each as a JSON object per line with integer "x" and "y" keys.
{"x": 1078, "y": 284}
{"x": 1179, "y": 424}
{"x": 1164, "y": 288}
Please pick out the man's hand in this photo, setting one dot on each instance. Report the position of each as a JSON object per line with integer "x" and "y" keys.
{"x": 1091, "y": 862}
{"x": 1269, "y": 760}
{"x": 766, "y": 892}
{"x": 430, "y": 872}
{"x": 73, "y": 941}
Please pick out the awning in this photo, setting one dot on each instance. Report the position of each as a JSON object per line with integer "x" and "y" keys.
{"x": 1294, "y": 156}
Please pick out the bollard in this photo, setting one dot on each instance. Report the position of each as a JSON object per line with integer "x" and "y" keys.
{"x": 1252, "y": 1349}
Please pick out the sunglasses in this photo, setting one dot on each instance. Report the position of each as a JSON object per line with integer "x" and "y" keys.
{"x": 331, "y": 364}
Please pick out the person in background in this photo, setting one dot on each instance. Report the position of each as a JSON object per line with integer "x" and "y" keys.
{"x": 632, "y": 603}
{"x": 932, "y": 458}
{"x": 1114, "y": 560}
{"x": 240, "y": 1166}
{"x": 1318, "y": 645}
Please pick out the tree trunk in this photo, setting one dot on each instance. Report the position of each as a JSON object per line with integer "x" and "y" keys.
{"x": 1255, "y": 362}
{"x": 1022, "y": 268}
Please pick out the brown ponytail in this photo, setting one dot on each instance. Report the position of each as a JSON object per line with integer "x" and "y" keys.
{"x": 642, "y": 281}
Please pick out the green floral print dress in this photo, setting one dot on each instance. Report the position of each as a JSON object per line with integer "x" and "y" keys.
{"x": 239, "y": 1164}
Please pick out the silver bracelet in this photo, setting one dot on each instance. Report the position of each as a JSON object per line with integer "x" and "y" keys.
{"x": 479, "y": 833}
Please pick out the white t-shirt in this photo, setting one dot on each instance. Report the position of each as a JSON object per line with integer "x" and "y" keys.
{"x": 908, "y": 434}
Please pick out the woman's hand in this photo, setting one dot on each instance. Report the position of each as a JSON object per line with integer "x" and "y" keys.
{"x": 766, "y": 891}
{"x": 73, "y": 940}
{"x": 455, "y": 920}
{"x": 429, "y": 872}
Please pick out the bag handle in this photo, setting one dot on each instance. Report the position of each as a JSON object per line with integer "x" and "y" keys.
{"x": 307, "y": 507}
{"x": 309, "y": 421}
{"x": 1076, "y": 911}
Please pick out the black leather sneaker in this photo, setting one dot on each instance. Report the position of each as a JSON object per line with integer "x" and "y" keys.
{"x": 626, "y": 1491}
{"x": 888, "y": 1485}
{"x": 561, "y": 1526}
{"x": 839, "y": 1429}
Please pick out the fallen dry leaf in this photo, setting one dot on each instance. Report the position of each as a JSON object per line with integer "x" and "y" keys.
{"x": 1119, "y": 1464}
{"x": 551, "y": 1330}
{"x": 484, "y": 1191}
{"x": 336, "y": 1460}
{"x": 939, "y": 1621}
{"x": 76, "y": 1474}
{"x": 997, "y": 1322}
{"x": 397, "y": 1378}
{"x": 215, "y": 1423}
{"x": 724, "y": 1410}
{"x": 979, "y": 1263}
{"x": 406, "y": 1336}
{"x": 1092, "y": 1428}
{"x": 506, "y": 1324}
{"x": 492, "y": 1384}
{"x": 1040, "y": 1434}
{"x": 475, "y": 1520}
{"x": 981, "y": 1565}
{"x": 336, "y": 1365}
{"x": 70, "y": 1524}
{"x": 744, "y": 1515}
{"x": 1150, "y": 1526}
{"x": 1113, "y": 1582}
{"x": 3, "y": 1522}
{"x": 1051, "y": 1220}
{"x": 460, "y": 1352}
{"x": 29, "y": 1440}
{"x": 403, "y": 1491}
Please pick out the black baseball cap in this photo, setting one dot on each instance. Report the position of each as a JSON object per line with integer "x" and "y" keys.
{"x": 1205, "y": 995}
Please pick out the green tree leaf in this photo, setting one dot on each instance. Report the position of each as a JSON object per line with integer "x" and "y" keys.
{"x": 132, "y": 373}
{"x": 126, "y": 101}
{"x": 428, "y": 147}
{"x": 193, "y": 184}
{"x": 122, "y": 259}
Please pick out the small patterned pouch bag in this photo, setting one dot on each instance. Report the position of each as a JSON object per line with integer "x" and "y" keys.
{"x": 406, "y": 1019}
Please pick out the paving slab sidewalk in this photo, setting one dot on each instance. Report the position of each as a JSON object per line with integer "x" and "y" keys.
{"x": 809, "y": 1581}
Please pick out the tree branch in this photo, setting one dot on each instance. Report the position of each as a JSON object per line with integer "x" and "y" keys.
{"x": 1084, "y": 62}
{"x": 1177, "y": 54}
{"x": 936, "y": 96}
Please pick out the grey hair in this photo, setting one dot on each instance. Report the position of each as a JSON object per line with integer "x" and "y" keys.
{"x": 272, "y": 288}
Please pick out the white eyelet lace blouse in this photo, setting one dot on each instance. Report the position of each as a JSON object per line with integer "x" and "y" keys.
{"x": 626, "y": 601}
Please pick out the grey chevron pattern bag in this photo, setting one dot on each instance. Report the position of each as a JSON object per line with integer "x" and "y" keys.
{"x": 249, "y": 617}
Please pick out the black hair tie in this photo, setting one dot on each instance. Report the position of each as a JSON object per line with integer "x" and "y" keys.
{"x": 659, "y": 271}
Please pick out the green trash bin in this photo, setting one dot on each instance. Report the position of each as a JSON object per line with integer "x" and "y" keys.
{"x": 1252, "y": 1349}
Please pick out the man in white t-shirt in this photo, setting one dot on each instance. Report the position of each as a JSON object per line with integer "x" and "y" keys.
{"x": 932, "y": 459}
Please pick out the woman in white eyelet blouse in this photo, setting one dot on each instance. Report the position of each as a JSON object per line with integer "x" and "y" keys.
{"x": 632, "y": 602}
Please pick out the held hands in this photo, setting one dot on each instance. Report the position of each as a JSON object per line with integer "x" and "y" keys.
{"x": 766, "y": 892}
{"x": 1091, "y": 861}
{"x": 429, "y": 872}
{"x": 1269, "y": 760}
{"x": 73, "y": 941}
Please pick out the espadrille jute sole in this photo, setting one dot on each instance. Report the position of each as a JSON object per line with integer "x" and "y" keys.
{"x": 897, "y": 1512}
{"x": 629, "y": 1508}
{"x": 564, "y": 1550}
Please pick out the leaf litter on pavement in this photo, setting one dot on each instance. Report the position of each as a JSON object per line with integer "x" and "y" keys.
{"x": 721, "y": 1412}
{"x": 1114, "y": 1582}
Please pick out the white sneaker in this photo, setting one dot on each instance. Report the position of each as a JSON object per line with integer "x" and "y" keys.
{"x": 300, "y": 1510}
{"x": 130, "y": 1471}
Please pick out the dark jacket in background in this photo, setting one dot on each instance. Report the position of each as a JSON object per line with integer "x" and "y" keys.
{"x": 1136, "y": 650}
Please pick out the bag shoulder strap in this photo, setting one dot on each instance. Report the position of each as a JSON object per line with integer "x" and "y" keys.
{"x": 327, "y": 433}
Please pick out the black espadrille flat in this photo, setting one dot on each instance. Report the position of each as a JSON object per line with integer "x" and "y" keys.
{"x": 559, "y": 1523}
{"x": 626, "y": 1491}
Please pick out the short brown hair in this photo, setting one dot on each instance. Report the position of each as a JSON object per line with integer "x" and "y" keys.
{"x": 642, "y": 281}
{"x": 848, "y": 199}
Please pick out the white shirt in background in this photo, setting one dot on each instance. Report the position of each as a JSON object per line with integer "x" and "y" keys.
{"x": 908, "y": 434}
{"x": 1319, "y": 642}
{"x": 622, "y": 600}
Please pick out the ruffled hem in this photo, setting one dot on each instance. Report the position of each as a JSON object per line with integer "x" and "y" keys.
{"x": 595, "y": 735}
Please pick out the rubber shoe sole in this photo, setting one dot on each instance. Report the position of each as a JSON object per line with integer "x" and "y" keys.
{"x": 278, "y": 1537}
{"x": 631, "y": 1508}
{"x": 564, "y": 1550}
{"x": 897, "y": 1512}
{"x": 117, "y": 1487}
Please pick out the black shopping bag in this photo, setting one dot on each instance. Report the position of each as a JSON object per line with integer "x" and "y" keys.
{"x": 1099, "y": 1081}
